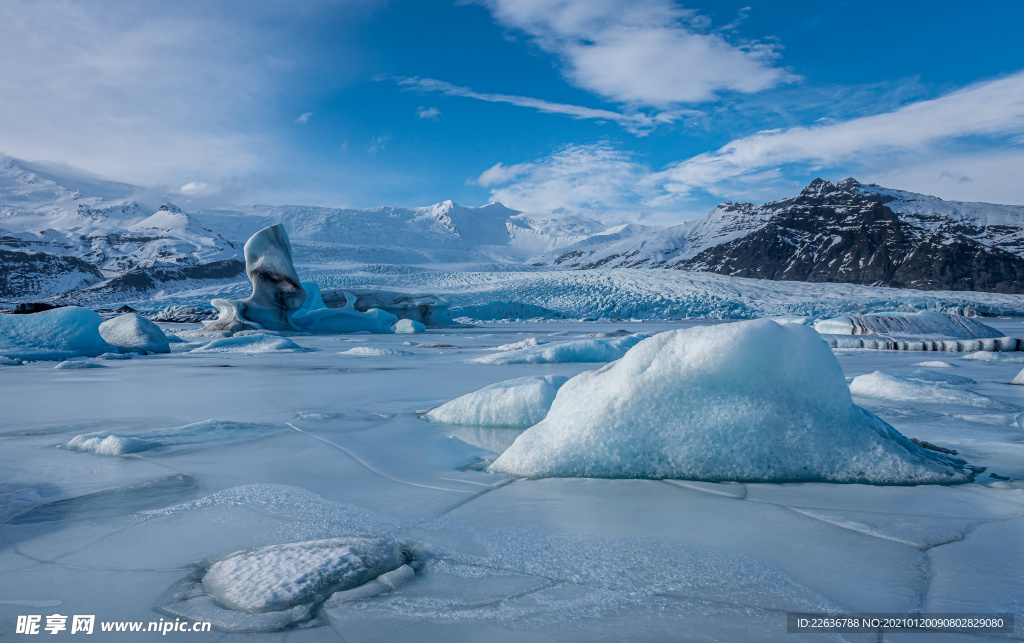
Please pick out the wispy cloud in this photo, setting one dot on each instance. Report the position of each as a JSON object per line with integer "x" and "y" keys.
{"x": 377, "y": 144}
{"x": 303, "y": 118}
{"x": 963, "y": 145}
{"x": 428, "y": 112}
{"x": 643, "y": 52}
{"x": 916, "y": 133}
{"x": 636, "y": 122}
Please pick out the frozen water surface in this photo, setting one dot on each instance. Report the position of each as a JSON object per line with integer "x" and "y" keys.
{"x": 237, "y": 455}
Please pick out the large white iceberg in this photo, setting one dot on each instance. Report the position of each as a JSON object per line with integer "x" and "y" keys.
{"x": 577, "y": 350}
{"x": 279, "y": 301}
{"x": 518, "y": 403}
{"x": 751, "y": 401}
{"x": 56, "y": 334}
{"x": 135, "y": 333}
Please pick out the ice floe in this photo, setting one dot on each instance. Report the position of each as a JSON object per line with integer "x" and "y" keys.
{"x": 134, "y": 333}
{"x": 885, "y": 386}
{"x": 529, "y": 342}
{"x": 751, "y": 401}
{"x": 577, "y": 350}
{"x": 518, "y": 403}
{"x": 56, "y": 334}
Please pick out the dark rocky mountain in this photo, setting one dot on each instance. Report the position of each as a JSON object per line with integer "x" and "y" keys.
{"x": 845, "y": 234}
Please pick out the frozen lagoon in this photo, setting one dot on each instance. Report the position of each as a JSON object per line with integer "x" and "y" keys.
{"x": 336, "y": 449}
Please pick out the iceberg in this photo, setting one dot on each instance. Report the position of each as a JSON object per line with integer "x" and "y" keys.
{"x": 577, "y": 350}
{"x": 279, "y": 301}
{"x": 751, "y": 401}
{"x": 135, "y": 333}
{"x": 250, "y": 344}
{"x": 894, "y": 388}
{"x": 280, "y": 577}
{"x": 57, "y": 334}
{"x": 921, "y": 325}
{"x": 408, "y": 326}
{"x": 519, "y": 403}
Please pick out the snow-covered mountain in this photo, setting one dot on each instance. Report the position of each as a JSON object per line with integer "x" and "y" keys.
{"x": 61, "y": 234}
{"x": 92, "y": 241}
{"x": 845, "y": 233}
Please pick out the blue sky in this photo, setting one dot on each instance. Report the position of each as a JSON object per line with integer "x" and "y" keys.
{"x": 639, "y": 110}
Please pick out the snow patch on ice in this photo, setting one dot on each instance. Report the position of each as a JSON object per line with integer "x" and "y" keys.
{"x": 518, "y": 403}
{"x": 937, "y": 364}
{"x": 751, "y": 401}
{"x": 986, "y": 356}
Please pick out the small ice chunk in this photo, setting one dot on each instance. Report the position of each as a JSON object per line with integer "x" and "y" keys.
{"x": 206, "y": 432}
{"x": 56, "y": 334}
{"x": 373, "y": 351}
{"x": 529, "y": 342}
{"x": 935, "y": 364}
{"x": 579, "y": 350}
{"x": 76, "y": 364}
{"x": 750, "y": 401}
{"x": 518, "y": 403}
{"x": 1018, "y": 379}
{"x": 250, "y": 344}
{"x": 884, "y": 386}
{"x": 408, "y": 326}
{"x": 202, "y": 333}
{"x": 282, "y": 576}
{"x": 109, "y": 444}
{"x": 136, "y": 333}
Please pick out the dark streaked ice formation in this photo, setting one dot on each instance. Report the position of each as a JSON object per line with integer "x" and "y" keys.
{"x": 279, "y": 301}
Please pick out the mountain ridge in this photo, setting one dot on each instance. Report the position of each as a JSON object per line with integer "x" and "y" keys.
{"x": 89, "y": 240}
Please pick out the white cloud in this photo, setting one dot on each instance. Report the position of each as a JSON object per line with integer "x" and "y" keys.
{"x": 921, "y": 132}
{"x": 428, "y": 112}
{"x": 961, "y": 146}
{"x": 499, "y": 174}
{"x": 642, "y": 52}
{"x": 198, "y": 188}
{"x": 303, "y": 118}
{"x": 635, "y": 122}
{"x": 595, "y": 180}
{"x": 152, "y": 92}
